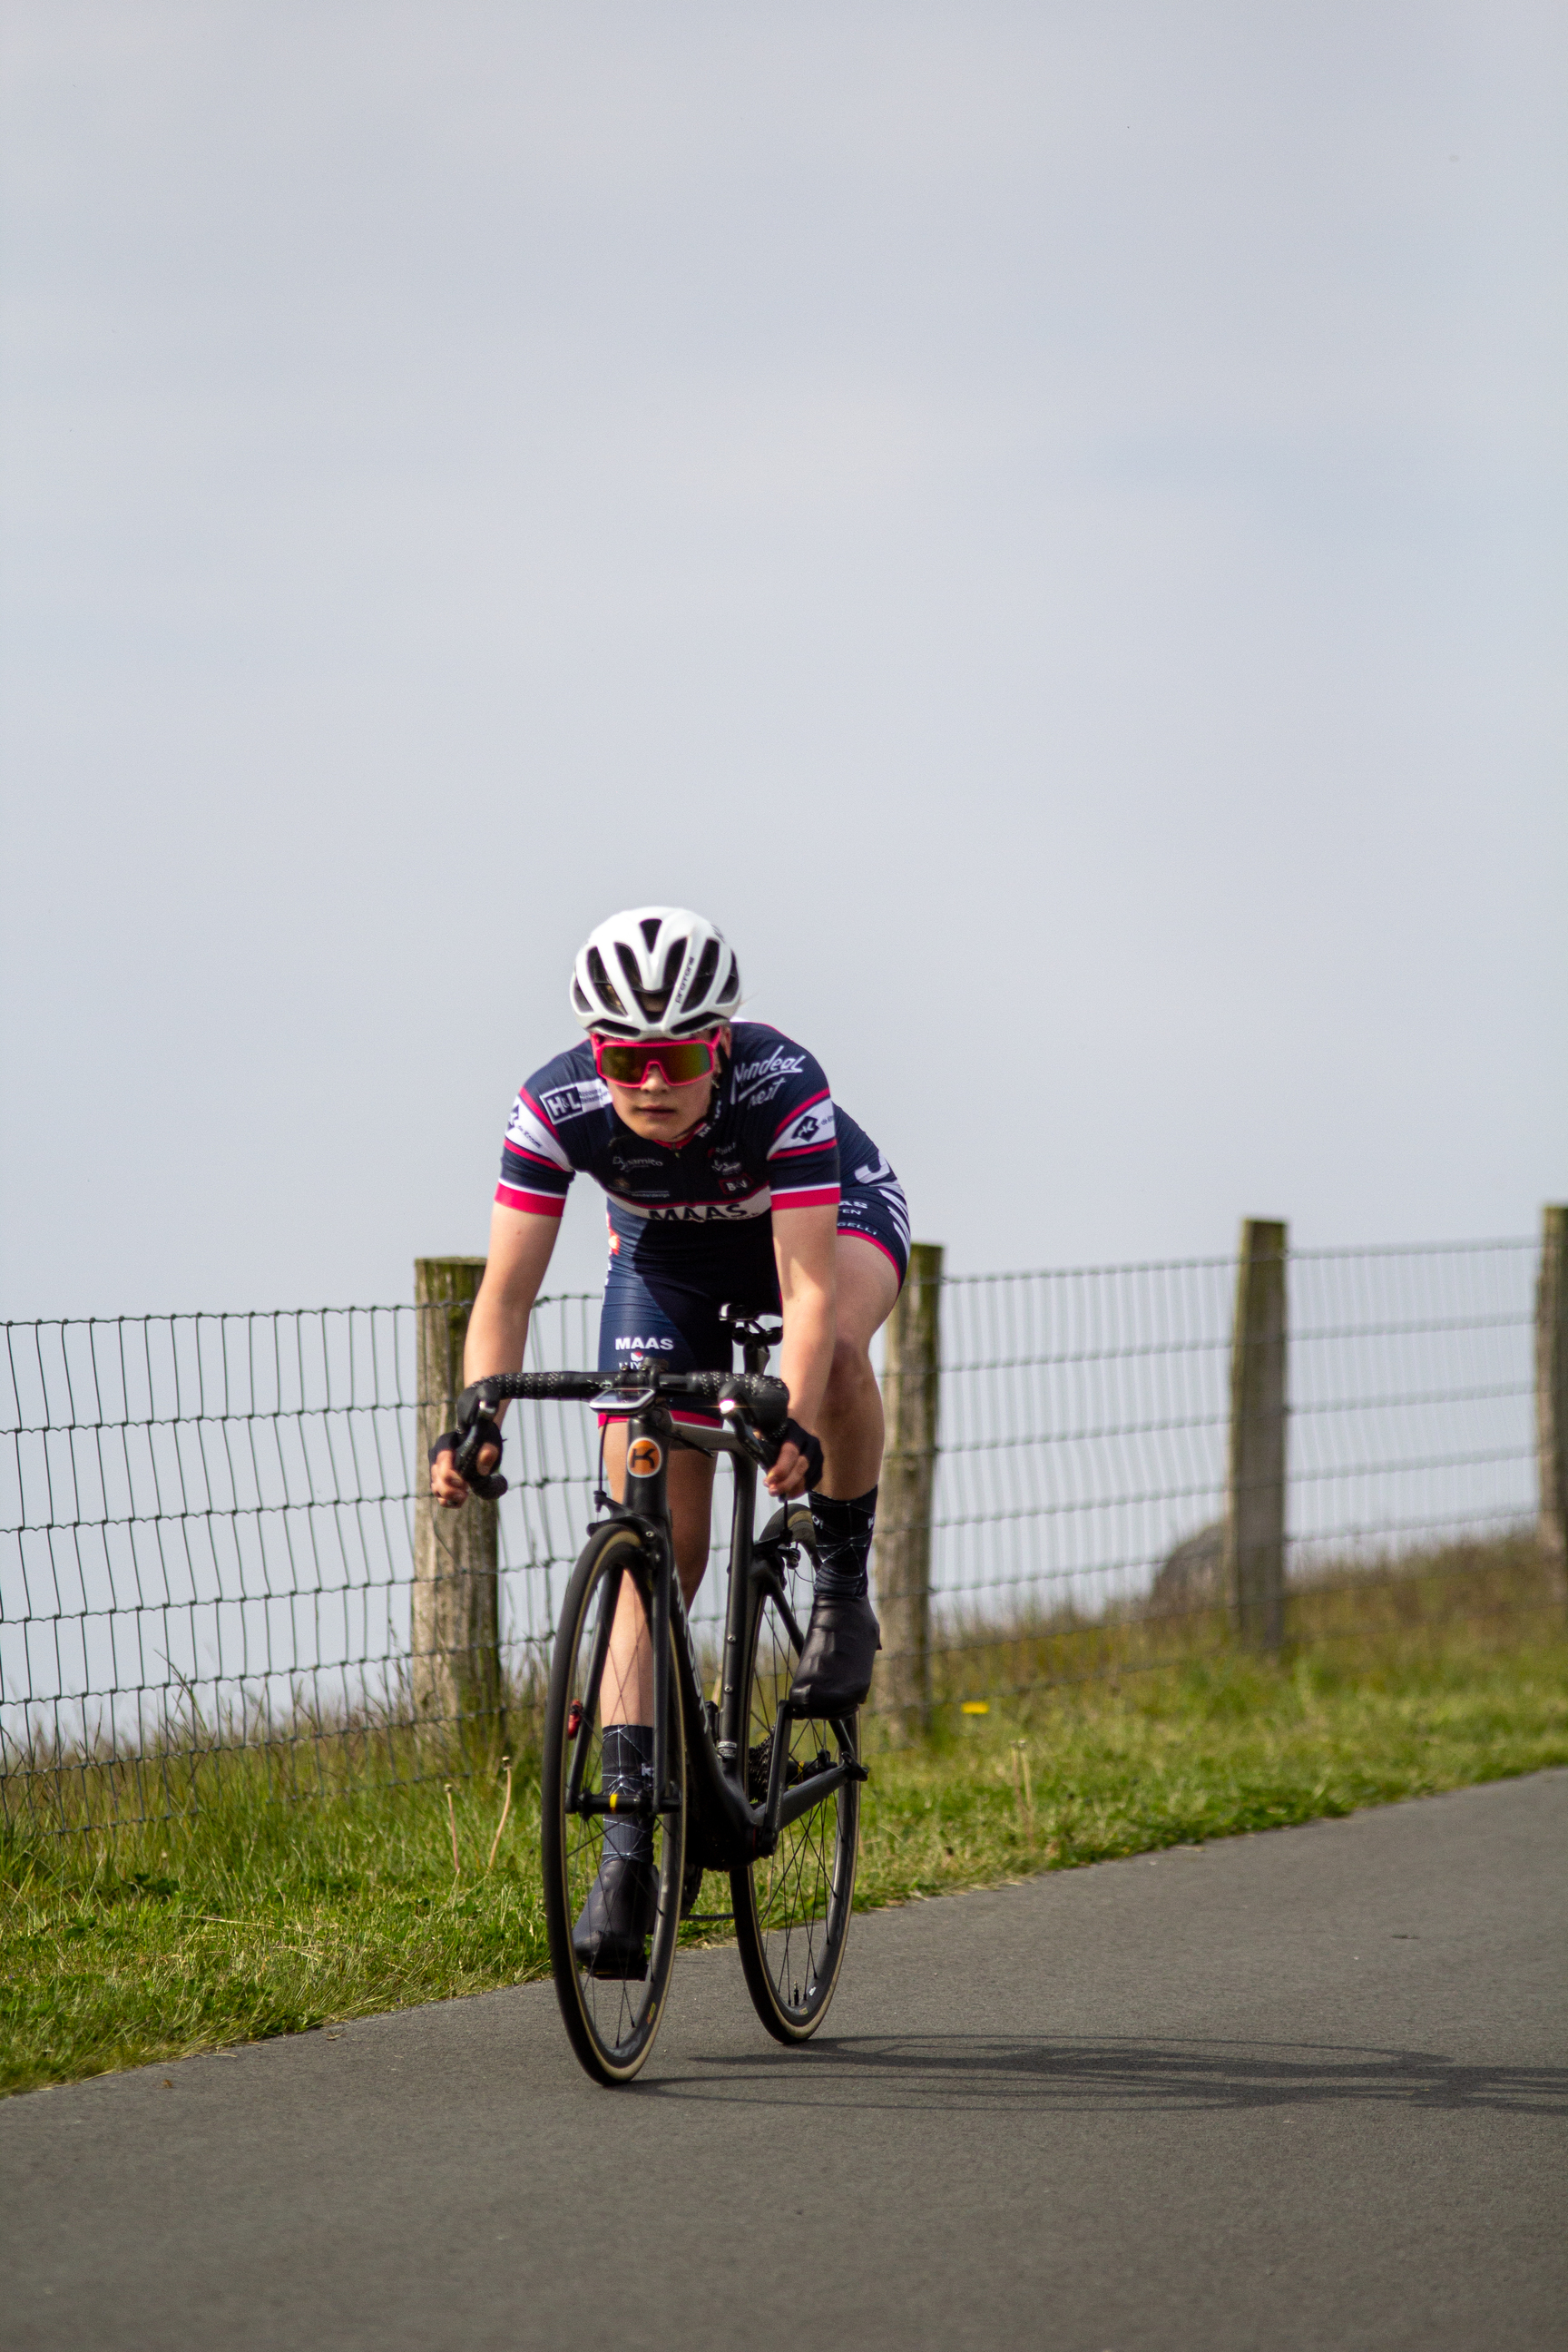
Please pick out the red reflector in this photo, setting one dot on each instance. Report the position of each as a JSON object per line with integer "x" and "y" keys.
{"x": 574, "y": 1718}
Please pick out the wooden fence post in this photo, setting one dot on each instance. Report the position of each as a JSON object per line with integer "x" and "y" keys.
{"x": 911, "y": 1379}
{"x": 1255, "y": 1495}
{"x": 1552, "y": 1390}
{"x": 455, "y": 1665}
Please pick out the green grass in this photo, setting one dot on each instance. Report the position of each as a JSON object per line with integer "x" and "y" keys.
{"x": 1201, "y": 1752}
{"x": 258, "y": 1915}
{"x": 261, "y": 1914}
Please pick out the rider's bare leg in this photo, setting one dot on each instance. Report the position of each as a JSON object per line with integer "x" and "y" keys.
{"x": 627, "y": 1693}
{"x": 850, "y": 1425}
{"x": 834, "y": 1673}
{"x": 619, "y": 1911}
{"x": 850, "y": 1422}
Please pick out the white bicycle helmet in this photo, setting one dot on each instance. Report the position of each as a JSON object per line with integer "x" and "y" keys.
{"x": 654, "y": 972}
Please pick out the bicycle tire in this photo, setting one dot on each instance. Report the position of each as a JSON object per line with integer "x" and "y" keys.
{"x": 611, "y": 2022}
{"x": 792, "y": 1907}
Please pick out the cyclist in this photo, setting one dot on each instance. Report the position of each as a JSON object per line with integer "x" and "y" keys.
{"x": 730, "y": 1176}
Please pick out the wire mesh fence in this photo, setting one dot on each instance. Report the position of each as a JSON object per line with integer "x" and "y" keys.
{"x": 1085, "y": 1424}
{"x": 207, "y": 1538}
{"x": 207, "y": 1521}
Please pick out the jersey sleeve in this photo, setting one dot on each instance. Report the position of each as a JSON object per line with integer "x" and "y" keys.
{"x": 803, "y": 1157}
{"x": 535, "y": 1169}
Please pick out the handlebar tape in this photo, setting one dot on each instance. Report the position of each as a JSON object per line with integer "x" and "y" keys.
{"x": 765, "y": 1399}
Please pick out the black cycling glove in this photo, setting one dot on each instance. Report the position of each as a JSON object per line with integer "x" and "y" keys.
{"x": 484, "y": 1432}
{"x": 791, "y": 1434}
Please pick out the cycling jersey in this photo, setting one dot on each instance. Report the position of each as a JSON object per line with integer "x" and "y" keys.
{"x": 771, "y": 1135}
{"x": 690, "y": 1223}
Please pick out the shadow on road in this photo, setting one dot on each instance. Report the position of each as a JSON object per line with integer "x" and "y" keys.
{"x": 979, "y": 2070}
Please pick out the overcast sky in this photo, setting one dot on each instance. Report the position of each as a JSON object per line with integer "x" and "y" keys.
{"x": 1047, "y": 522}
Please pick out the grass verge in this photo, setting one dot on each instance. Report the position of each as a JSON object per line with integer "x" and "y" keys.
{"x": 258, "y": 1915}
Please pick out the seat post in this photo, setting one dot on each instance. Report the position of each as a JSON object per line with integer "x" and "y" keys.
{"x": 758, "y": 1335}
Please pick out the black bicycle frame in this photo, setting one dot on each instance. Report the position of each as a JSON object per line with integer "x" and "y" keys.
{"x": 752, "y": 1830}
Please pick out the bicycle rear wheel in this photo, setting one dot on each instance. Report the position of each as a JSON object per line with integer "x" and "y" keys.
{"x": 793, "y": 1906}
{"x": 610, "y": 2021}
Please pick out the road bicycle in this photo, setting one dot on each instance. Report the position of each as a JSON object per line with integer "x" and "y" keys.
{"x": 743, "y": 1783}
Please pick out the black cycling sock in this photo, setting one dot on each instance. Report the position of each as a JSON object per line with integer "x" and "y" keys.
{"x": 629, "y": 1772}
{"x": 843, "y": 1544}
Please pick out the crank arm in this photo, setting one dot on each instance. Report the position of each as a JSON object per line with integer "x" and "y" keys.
{"x": 805, "y": 1794}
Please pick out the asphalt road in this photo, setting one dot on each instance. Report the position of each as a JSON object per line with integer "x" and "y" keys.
{"x": 1304, "y": 2089}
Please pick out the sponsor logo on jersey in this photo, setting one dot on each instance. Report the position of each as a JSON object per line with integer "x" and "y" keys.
{"x": 526, "y": 1131}
{"x": 707, "y": 1212}
{"x": 812, "y": 1128}
{"x": 878, "y": 1175}
{"x": 648, "y": 1347}
{"x": 752, "y": 1076}
{"x": 857, "y": 1210}
{"x": 577, "y": 1102}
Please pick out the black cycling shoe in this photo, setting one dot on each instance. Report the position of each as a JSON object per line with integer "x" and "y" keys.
{"x": 610, "y": 1939}
{"x": 841, "y": 1646}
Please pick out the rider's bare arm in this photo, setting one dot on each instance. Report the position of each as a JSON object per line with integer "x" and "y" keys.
{"x": 520, "y": 1251}
{"x": 806, "y": 1247}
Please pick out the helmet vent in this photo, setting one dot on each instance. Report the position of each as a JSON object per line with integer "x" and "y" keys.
{"x": 602, "y": 982}
{"x": 650, "y": 927}
{"x": 651, "y": 1003}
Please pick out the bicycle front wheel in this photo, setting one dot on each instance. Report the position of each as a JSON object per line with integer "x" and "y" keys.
{"x": 612, "y": 1999}
{"x": 793, "y": 1906}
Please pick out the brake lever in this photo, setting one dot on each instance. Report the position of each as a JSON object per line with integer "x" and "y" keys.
{"x": 764, "y": 1451}
{"x": 476, "y": 1429}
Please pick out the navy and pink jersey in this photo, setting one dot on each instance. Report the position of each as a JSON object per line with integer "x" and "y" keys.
{"x": 691, "y": 1224}
{"x": 772, "y": 1138}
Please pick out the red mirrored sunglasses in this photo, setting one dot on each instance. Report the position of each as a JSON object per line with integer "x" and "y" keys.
{"x": 683, "y": 1060}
